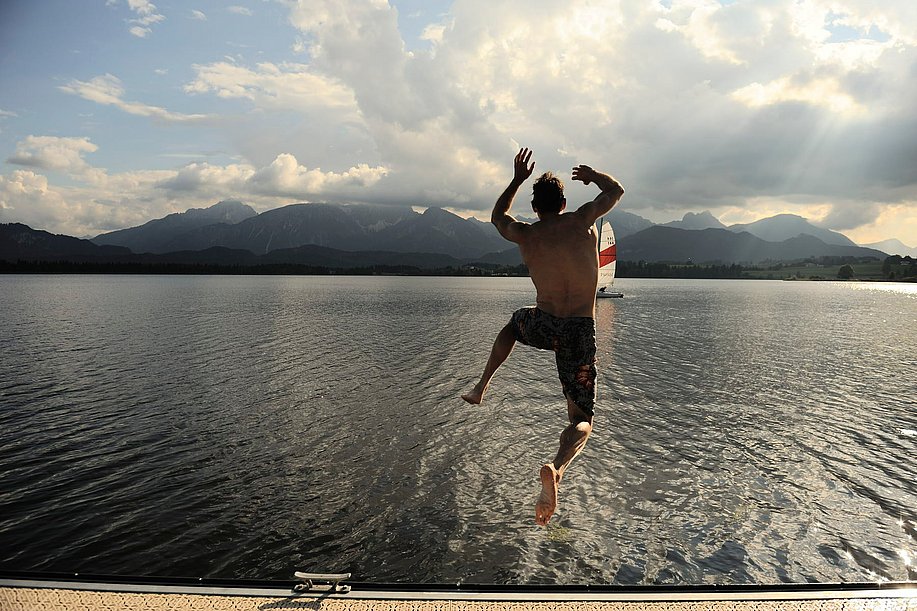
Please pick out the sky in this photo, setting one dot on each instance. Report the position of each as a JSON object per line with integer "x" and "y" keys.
{"x": 115, "y": 112}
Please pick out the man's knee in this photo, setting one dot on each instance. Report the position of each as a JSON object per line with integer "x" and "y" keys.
{"x": 578, "y": 415}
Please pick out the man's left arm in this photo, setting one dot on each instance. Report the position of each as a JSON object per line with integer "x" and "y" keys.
{"x": 606, "y": 200}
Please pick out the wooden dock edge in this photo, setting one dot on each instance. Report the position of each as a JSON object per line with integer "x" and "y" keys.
{"x": 53, "y": 595}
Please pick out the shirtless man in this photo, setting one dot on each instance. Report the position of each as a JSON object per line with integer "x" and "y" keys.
{"x": 561, "y": 253}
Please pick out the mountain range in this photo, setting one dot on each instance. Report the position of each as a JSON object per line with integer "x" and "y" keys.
{"x": 785, "y": 226}
{"x": 670, "y": 244}
{"x": 152, "y": 236}
{"x": 356, "y": 235}
{"x": 352, "y": 227}
{"x": 894, "y": 247}
{"x": 20, "y": 242}
{"x": 697, "y": 221}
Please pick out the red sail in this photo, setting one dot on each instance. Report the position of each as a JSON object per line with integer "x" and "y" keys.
{"x": 608, "y": 255}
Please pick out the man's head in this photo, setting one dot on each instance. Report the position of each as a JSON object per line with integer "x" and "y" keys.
{"x": 548, "y": 194}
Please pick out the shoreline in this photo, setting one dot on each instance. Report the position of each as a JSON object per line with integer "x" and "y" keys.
{"x": 42, "y": 268}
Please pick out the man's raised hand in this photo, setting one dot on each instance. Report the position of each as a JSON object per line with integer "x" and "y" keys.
{"x": 521, "y": 168}
{"x": 584, "y": 173}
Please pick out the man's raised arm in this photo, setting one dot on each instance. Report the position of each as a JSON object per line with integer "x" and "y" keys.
{"x": 508, "y": 227}
{"x": 610, "y": 195}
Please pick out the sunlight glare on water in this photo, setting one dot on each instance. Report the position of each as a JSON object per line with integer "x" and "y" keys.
{"x": 904, "y": 288}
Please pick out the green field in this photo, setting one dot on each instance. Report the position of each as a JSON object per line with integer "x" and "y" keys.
{"x": 861, "y": 271}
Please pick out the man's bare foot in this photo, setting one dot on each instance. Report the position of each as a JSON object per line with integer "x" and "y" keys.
{"x": 547, "y": 500}
{"x": 475, "y": 395}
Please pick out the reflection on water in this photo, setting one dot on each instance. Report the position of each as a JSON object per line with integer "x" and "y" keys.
{"x": 903, "y": 288}
{"x": 250, "y": 426}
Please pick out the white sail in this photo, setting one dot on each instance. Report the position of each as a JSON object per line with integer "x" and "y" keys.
{"x": 608, "y": 255}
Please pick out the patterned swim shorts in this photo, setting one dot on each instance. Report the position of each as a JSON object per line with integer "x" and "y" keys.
{"x": 573, "y": 343}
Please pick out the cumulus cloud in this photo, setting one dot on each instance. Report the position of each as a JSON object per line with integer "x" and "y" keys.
{"x": 433, "y": 32}
{"x": 283, "y": 177}
{"x": 827, "y": 92}
{"x": 287, "y": 85}
{"x": 207, "y": 178}
{"x": 25, "y": 197}
{"x": 422, "y": 111}
{"x": 53, "y": 153}
{"x": 107, "y": 90}
{"x": 146, "y": 15}
{"x": 198, "y": 15}
{"x": 695, "y": 102}
{"x": 28, "y": 197}
{"x": 294, "y": 110}
{"x": 240, "y": 10}
{"x": 690, "y": 102}
{"x": 101, "y": 201}
{"x": 897, "y": 18}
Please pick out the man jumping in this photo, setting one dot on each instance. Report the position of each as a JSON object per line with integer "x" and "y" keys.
{"x": 561, "y": 253}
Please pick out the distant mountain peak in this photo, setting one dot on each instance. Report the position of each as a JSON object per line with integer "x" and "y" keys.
{"x": 894, "y": 246}
{"x": 671, "y": 244}
{"x": 153, "y": 235}
{"x": 697, "y": 221}
{"x": 351, "y": 227}
{"x": 233, "y": 207}
{"x": 436, "y": 212}
{"x": 229, "y": 203}
{"x": 785, "y": 226}
{"x": 626, "y": 223}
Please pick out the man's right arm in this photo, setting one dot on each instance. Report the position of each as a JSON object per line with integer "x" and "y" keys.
{"x": 510, "y": 228}
{"x": 610, "y": 195}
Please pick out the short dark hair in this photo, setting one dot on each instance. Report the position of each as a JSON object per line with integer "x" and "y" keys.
{"x": 548, "y": 193}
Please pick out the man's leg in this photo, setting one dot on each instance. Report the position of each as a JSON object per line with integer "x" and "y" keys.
{"x": 573, "y": 438}
{"x": 572, "y": 441}
{"x": 503, "y": 346}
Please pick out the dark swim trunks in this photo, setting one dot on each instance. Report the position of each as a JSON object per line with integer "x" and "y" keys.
{"x": 573, "y": 343}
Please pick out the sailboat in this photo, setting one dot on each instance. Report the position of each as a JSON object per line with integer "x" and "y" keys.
{"x": 608, "y": 255}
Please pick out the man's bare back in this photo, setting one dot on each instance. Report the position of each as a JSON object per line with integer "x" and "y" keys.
{"x": 561, "y": 253}
{"x": 562, "y": 256}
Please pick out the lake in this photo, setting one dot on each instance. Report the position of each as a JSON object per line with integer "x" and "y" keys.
{"x": 246, "y": 427}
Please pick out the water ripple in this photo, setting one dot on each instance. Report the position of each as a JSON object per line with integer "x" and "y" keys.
{"x": 252, "y": 426}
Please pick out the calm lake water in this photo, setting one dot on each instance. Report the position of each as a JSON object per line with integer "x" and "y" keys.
{"x": 746, "y": 431}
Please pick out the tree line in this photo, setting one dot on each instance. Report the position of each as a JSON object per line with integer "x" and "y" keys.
{"x": 893, "y": 268}
{"x": 280, "y": 269}
{"x": 652, "y": 269}
{"x": 897, "y": 267}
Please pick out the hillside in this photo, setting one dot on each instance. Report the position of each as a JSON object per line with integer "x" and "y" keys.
{"x": 698, "y": 221}
{"x": 18, "y": 241}
{"x": 894, "y": 247}
{"x": 669, "y": 244}
{"x": 626, "y": 223}
{"x": 22, "y": 243}
{"x": 351, "y": 227}
{"x": 785, "y": 226}
{"x": 155, "y": 235}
